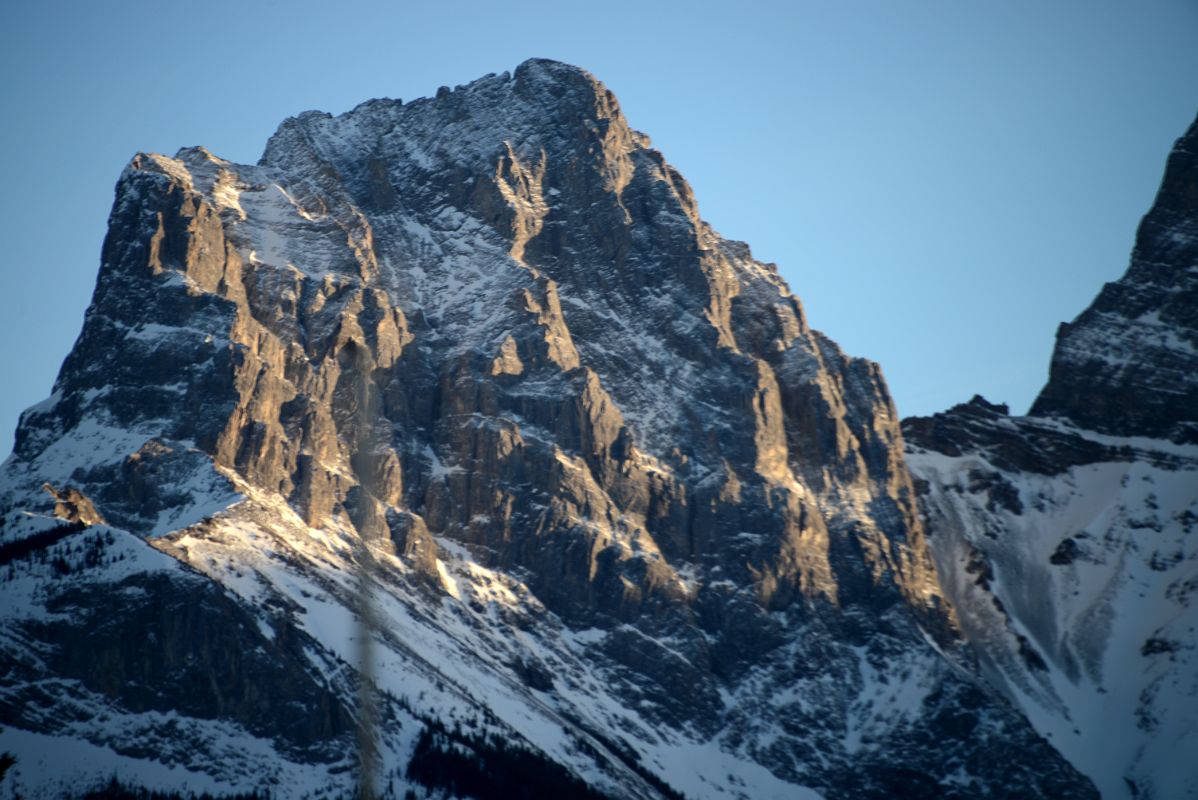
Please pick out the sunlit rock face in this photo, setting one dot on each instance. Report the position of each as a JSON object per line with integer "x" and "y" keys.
{"x": 630, "y": 512}
{"x": 1066, "y": 539}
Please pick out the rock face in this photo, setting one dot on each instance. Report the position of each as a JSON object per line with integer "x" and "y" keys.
{"x": 1128, "y": 365}
{"x": 628, "y": 510}
{"x": 1065, "y": 539}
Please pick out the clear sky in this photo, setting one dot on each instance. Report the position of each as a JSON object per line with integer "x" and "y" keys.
{"x": 941, "y": 181}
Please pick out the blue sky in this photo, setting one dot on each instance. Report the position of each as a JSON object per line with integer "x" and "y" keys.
{"x": 941, "y": 182}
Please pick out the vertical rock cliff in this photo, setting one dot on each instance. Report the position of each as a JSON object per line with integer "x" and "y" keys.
{"x": 630, "y": 513}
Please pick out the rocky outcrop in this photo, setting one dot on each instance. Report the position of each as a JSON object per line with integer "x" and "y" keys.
{"x": 1128, "y": 365}
{"x": 489, "y": 336}
{"x": 180, "y": 646}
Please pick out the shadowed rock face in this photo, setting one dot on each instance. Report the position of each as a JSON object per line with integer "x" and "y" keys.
{"x": 1128, "y": 365}
{"x": 178, "y": 645}
{"x": 493, "y": 322}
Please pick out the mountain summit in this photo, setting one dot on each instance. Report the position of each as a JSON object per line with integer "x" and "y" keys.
{"x": 637, "y": 530}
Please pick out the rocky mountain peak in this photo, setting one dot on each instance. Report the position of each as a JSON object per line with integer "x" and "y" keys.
{"x": 613, "y": 480}
{"x": 1128, "y": 365}
{"x": 511, "y": 246}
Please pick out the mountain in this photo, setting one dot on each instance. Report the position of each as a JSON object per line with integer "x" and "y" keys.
{"x": 465, "y": 385}
{"x": 1065, "y": 538}
{"x": 1128, "y": 365}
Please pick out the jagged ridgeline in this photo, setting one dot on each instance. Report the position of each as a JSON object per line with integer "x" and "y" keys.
{"x": 635, "y": 525}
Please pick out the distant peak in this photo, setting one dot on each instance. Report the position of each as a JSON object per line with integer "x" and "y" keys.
{"x": 979, "y": 403}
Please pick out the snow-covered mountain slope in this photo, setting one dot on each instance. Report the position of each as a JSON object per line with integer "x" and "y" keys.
{"x": 636, "y": 526}
{"x": 222, "y": 658}
{"x": 1066, "y": 539}
{"x": 1080, "y": 589}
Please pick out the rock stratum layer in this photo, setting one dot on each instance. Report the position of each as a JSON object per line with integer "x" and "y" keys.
{"x": 1066, "y": 539}
{"x": 632, "y": 521}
